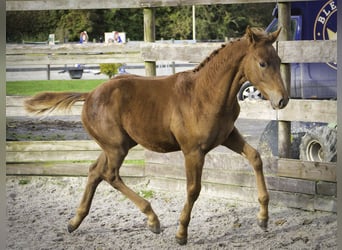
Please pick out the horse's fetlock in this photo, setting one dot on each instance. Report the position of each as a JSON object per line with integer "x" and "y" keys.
{"x": 264, "y": 199}
{"x": 146, "y": 208}
{"x": 182, "y": 235}
{"x": 82, "y": 212}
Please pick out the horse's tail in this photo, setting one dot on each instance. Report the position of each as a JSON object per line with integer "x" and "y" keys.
{"x": 46, "y": 102}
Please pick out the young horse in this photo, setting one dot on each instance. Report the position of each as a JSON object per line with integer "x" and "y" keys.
{"x": 193, "y": 111}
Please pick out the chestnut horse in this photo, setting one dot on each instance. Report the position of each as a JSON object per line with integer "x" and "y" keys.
{"x": 192, "y": 111}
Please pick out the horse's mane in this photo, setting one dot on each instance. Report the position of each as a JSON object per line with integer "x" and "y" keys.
{"x": 213, "y": 54}
{"x": 205, "y": 61}
{"x": 258, "y": 32}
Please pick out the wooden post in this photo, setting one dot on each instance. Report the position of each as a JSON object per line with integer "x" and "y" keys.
{"x": 149, "y": 36}
{"x": 284, "y": 127}
{"x": 3, "y": 208}
{"x": 339, "y": 122}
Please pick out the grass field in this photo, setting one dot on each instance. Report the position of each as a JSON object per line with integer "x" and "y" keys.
{"x": 26, "y": 88}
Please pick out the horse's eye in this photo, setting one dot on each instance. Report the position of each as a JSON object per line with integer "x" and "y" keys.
{"x": 262, "y": 64}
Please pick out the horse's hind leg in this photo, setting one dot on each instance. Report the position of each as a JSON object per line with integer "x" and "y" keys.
{"x": 236, "y": 143}
{"x": 94, "y": 178}
{"x": 152, "y": 219}
{"x": 115, "y": 159}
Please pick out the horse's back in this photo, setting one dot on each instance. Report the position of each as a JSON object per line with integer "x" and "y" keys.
{"x": 130, "y": 89}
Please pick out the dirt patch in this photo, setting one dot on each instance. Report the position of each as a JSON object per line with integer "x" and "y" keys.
{"x": 46, "y": 129}
{"x": 40, "y": 207}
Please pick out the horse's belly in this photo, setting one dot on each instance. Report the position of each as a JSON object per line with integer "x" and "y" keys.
{"x": 155, "y": 141}
{"x": 159, "y": 146}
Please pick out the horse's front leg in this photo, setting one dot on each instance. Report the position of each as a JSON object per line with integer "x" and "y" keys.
{"x": 236, "y": 143}
{"x": 193, "y": 166}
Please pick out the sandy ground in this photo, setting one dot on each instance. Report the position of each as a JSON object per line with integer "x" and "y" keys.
{"x": 40, "y": 207}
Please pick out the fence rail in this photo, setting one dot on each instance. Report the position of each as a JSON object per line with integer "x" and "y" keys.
{"x": 307, "y": 185}
{"x": 296, "y": 110}
{"x": 138, "y": 52}
{"x": 66, "y": 158}
{"x": 12, "y": 5}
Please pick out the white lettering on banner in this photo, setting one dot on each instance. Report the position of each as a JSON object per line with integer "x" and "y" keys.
{"x": 325, "y": 27}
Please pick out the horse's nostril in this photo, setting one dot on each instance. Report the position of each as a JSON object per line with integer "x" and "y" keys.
{"x": 283, "y": 102}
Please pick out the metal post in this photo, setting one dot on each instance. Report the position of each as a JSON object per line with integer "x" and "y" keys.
{"x": 149, "y": 36}
{"x": 284, "y": 127}
{"x": 173, "y": 64}
{"x": 48, "y": 72}
{"x": 193, "y": 22}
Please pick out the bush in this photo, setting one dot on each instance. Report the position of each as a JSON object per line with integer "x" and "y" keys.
{"x": 110, "y": 69}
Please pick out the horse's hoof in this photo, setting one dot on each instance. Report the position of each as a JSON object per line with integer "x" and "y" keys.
{"x": 71, "y": 228}
{"x": 182, "y": 241}
{"x": 263, "y": 224}
{"x": 154, "y": 228}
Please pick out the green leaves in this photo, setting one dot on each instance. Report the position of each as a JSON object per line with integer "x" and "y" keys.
{"x": 110, "y": 69}
{"x": 212, "y": 22}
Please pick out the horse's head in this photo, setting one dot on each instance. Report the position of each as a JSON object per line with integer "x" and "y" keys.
{"x": 262, "y": 66}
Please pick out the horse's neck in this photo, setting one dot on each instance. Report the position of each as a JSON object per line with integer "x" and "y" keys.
{"x": 221, "y": 76}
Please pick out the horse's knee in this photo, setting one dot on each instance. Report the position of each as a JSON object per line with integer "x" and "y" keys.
{"x": 255, "y": 160}
{"x": 194, "y": 191}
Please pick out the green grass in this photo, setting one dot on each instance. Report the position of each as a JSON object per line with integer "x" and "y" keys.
{"x": 27, "y": 88}
{"x": 146, "y": 194}
{"x": 23, "y": 181}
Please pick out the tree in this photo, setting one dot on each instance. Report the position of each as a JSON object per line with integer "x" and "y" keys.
{"x": 174, "y": 22}
{"x": 130, "y": 21}
{"x": 220, "y": 21}
{"x": 31, "y": 25}
{"x": 212, "y": 22}
{"x": 72, "y": 24}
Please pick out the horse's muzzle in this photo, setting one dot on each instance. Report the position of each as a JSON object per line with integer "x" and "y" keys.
{"x": 279, "y": 103}
{"x": 283, "y": 102}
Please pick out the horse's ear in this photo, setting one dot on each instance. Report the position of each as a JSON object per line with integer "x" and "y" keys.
{"x": 252, "y": 38}
{"x": 274, "y": 35}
